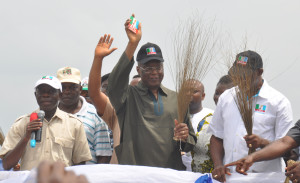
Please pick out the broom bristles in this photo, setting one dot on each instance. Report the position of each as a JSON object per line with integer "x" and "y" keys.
{"x": 194, "y": 47}
{"x": 243, "y": 79}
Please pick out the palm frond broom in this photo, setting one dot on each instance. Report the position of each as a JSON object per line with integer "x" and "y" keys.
{"x": 243, "y": 79}
{"x": 195, "y": 44}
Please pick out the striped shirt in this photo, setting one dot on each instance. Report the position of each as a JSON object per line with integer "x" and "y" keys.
{"x": 96, "y": 130}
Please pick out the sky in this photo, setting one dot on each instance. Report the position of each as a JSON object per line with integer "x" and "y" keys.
{"x": 39, "y": 37}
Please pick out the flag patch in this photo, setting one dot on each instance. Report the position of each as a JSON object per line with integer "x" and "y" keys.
{"x": 151, "y": 51}
{"x": 260, "y": 108}
{"x": 67, "y": 71}
{"x": 47, "y": 77}
{"x": 242, "y": 60}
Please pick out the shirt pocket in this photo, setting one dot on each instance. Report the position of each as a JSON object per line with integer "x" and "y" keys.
{"x": 64, "y": 148}
{"x": 264, "y": 124}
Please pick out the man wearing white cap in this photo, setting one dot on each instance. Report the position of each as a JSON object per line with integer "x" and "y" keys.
{"x": 63, "y": 136}
{"x": 95, "y": 128}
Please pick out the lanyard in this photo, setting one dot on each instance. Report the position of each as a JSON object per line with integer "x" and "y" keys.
{"x": 158, "y": 104}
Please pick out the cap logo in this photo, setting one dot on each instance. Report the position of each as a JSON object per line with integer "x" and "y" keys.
{"x": 47, "y": 77}
{"x": 67, "y": 71}
{"x": 151, "y": 51}
{"x": 242, "y": 60}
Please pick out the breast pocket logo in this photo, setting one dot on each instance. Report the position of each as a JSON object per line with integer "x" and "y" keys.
{"x": 260, "y": 108}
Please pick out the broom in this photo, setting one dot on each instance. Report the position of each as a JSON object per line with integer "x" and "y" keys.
{"x": 194, "y": 47}
{"x": 242, "y": 78}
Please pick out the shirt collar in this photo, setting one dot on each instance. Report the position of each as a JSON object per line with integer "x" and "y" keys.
{"x": 264, "y": 90}
{"x": 58, "y": 113}
{"x": 84, "y": 107}
{"x": 143, "y": 89}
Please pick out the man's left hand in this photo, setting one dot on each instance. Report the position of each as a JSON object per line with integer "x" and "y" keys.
{"x": 181, "y": 131}
{"x": 293, "y": 172}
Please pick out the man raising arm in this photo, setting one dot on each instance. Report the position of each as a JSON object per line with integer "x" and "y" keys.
{"x": 146, "y": 112}
{"x": 100, "y": 100}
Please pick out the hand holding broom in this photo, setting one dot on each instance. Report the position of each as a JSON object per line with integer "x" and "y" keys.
{"x": 181, "y": 131}
{"x": 255, "y": 141}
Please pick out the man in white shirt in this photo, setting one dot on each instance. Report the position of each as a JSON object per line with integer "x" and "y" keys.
{"x": 197, "y": 114}
{"x": 272, "y": 118}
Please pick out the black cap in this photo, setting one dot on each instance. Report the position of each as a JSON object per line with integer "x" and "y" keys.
{"x": 149, "y": 52}
{"x": 249, "y": 59}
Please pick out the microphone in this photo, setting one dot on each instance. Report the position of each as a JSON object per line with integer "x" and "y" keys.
{"x": 41, "y": 116}
{"x": 33, "y": 116}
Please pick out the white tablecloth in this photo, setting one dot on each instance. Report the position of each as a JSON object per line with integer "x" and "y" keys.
{"x": 139, "y": 174}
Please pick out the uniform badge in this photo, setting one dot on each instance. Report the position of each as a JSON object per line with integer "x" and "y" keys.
{"x": 260, "y": 108}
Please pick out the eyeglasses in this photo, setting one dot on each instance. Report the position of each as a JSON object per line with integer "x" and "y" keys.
{"x": 149, "y": 70}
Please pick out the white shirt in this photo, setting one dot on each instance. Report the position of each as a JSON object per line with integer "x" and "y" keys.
{"x": 195, "y": 119}
{"x": 271, "y": 121}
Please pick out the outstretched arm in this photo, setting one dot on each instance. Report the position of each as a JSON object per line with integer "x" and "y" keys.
{"x": 102, "y": 50}
{"x": 133, "y": 39}
{"x": 119, "y": 77}
{"x": 272, "y": 151}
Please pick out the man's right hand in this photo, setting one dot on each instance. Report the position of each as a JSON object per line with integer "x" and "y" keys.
{"x": 242, "y": 165}
{"x": 133, "y": 38}
{"x": 33, "y": 126}
{"x": 219, "y": 173}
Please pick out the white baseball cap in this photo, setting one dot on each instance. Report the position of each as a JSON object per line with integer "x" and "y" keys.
{"x": 49, "y": 80}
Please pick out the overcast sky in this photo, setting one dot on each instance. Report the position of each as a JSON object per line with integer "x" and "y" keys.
{"x": 39, "y": 37}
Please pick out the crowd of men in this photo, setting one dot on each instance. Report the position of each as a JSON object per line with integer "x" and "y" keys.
{"x": 107, "y": 120}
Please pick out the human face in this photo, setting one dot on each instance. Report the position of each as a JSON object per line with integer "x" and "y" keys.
{"x": 104, "y": 86}
{"x": 47, "y": 97}
{"x": 197, "y": 94}
{"x": 70, "y": 94}
{"x": 220, "y": 89}
{"x": 152, "y": 73}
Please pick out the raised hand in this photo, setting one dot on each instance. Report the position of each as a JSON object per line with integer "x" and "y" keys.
{"x": 103, "y": 46}
{"x": 133, "y": 38}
